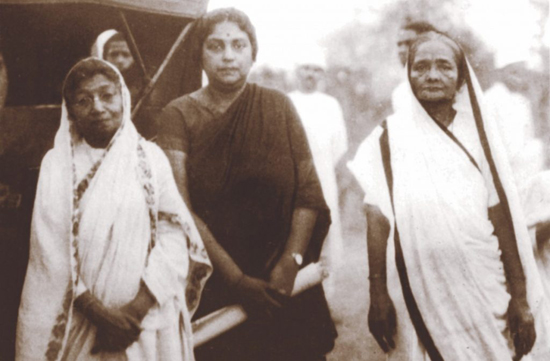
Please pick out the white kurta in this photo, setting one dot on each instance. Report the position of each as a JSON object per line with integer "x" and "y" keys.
{"x": 325, "y": 129}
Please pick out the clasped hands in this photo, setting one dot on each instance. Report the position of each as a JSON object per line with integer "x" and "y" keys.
{"x": 117, "y": 328}
{"x": 262, "y": 299}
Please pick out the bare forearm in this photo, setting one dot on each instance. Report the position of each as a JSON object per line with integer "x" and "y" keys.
{"x": 178, "y": 162}
{"x": 303, "y": 222}
{"x": 142, "y": 303}
{"x": 221, "y": 260}
{"x": 378, "y": 230}
{"x": 510, "y": 253}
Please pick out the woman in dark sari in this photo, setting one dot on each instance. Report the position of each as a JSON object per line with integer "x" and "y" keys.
{"x": 242, "y": 162}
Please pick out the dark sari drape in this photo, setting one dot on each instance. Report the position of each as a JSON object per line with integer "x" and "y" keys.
{"x": 247, "y": 172}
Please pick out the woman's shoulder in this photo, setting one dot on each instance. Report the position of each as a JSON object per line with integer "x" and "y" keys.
{"x": 155, "y": 154}
{"x": 270, "y": 94}
{"x": 152, "y": 148}
{"x": 186, "y": 109}
{"x": 181, "y": 103}
{"x": 52, "y": 159}
{"x": 369, "y": 149}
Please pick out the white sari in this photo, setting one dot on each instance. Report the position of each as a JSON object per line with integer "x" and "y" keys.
{"x": 104, "y": 220}
{"x": 452, "y": 257}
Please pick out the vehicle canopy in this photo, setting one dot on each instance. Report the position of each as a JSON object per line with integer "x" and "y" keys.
{"x": 42, "y": 40}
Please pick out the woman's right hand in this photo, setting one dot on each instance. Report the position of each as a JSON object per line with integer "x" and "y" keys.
{"x": 382, "y": 319}
{"x": 116, "y": 329}
{"x": 258, "y": 297}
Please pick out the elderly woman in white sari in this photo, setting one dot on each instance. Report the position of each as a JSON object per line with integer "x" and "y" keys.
{"x": 116, "y": 263}
{"x": 452, "y": 274}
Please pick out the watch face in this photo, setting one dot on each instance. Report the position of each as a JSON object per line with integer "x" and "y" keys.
{"x": 298, "y": 258}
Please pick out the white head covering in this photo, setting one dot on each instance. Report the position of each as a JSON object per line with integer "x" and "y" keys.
{"x": 119, "y": 199}
{"x": 99, "y": 45}
{"x": 440, "y": 227}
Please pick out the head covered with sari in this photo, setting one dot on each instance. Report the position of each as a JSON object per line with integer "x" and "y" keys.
{"x": 444, "y": 181}
{"x": 105, "y": 220}
{"x": 111, "y": 45}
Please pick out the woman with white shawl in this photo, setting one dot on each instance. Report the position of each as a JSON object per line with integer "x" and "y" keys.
{"x": 451, "y": 270}
{"x": 112, "y": 47}
{"x": 116, "y": 263}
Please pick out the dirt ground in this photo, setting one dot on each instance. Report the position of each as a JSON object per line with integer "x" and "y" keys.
{"x": 349, "y": 299}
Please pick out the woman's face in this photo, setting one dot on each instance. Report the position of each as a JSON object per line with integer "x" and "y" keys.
{"x": 434, "y": 72}
{"x": 227, "y": 55}
{"x": 118, "y": 53}
{"x": 97, "y": 109}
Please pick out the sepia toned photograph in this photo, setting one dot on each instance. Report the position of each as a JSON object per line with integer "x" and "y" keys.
{"x": 291, "y": 180}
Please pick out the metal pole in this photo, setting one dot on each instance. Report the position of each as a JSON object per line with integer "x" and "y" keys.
{"x": 153, "y": 82}
{"x": 133, "y": 44}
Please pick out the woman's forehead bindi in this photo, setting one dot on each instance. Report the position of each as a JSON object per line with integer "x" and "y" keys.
{"x": 227, "y": 30}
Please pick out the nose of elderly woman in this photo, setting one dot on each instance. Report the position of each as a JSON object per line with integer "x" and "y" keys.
{"x": 433, "y": 74}
{"x": 98, "y": 106}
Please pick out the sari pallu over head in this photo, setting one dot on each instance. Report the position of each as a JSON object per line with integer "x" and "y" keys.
{"x": 98, "y": 47}
{"x": 452, "y": 258}
{"x": 118, "y": 201}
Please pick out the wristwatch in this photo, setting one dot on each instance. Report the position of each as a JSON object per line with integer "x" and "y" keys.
{"x": 298, "y": 258}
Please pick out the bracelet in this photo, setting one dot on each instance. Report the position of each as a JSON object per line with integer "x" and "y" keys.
{"x": 377, "y": 276}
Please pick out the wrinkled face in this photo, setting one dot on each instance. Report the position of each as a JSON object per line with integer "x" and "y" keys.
{"x": 97, "y": 110}
{"x": 309, "y": 77}
{"x": 404, "y": 40}
{"x": 434, "y": 72}
{"x": 118, "y": 53}
{"x": 227, "y": 55}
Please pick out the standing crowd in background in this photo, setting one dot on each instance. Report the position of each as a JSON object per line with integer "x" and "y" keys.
{"x": 244, "y": 188}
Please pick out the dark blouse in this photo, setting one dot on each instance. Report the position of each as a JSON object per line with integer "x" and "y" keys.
{"x": 248, "y": 169}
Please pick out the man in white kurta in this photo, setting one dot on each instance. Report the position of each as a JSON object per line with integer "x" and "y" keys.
{"x": 325, "y": 128}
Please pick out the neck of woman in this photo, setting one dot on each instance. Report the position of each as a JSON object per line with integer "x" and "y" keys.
{"x": 98, "y": 142}
{"x": 441, "y": 111}
{"x": 221, "y": 96}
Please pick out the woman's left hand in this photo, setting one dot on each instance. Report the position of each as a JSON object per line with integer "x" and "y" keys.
{"x": 284, "y": 274}
{"x": 522, "y": 327}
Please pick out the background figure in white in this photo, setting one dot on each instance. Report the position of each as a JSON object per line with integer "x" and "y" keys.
{"x": 508, "y": 103}
{"x": 325, "y": 128}
{"x": 405, "y": 37}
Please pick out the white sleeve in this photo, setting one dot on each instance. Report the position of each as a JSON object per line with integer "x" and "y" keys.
{"x": 168, "y": 263}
